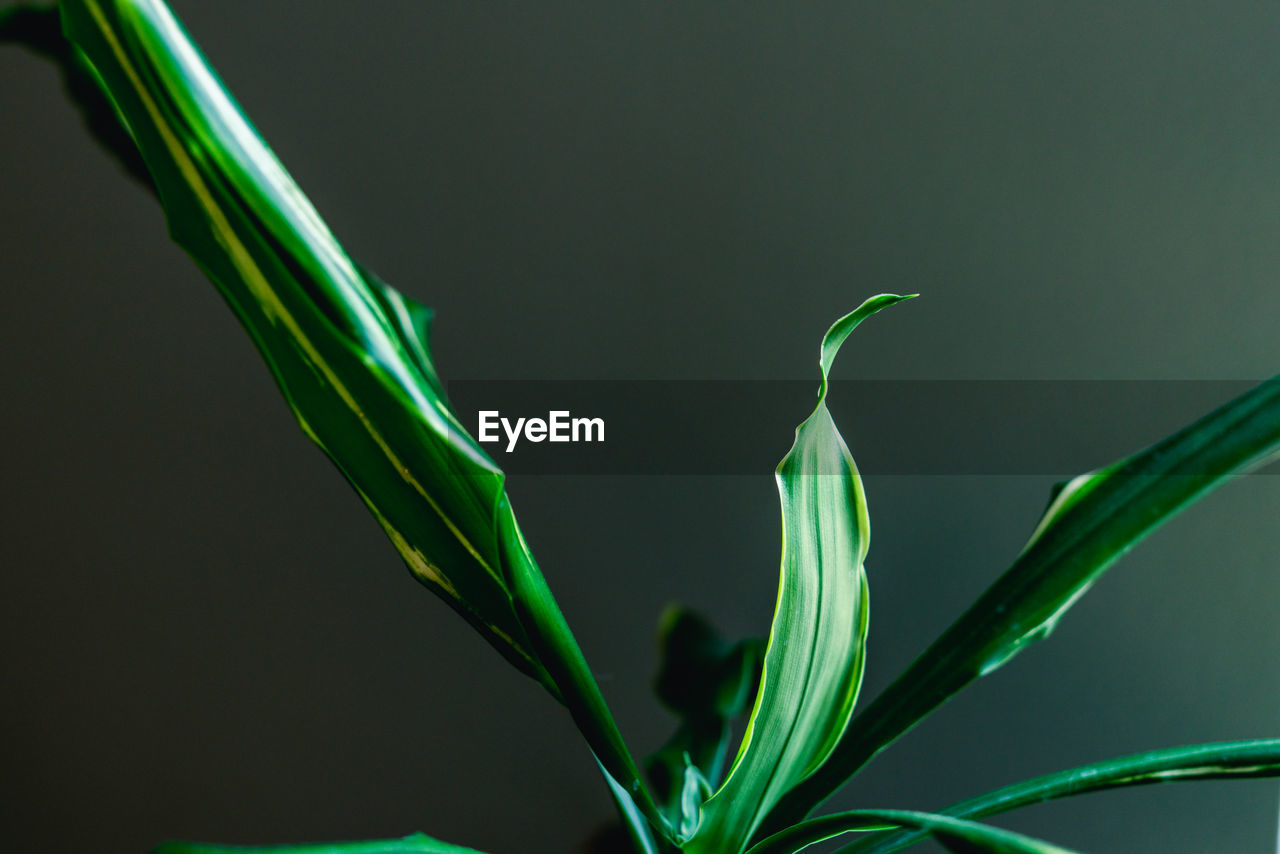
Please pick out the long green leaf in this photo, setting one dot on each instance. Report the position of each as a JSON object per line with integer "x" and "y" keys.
{"x": 349, "y": 371}
{"x": 954, "y": 834}
{"x": 1222, "y": 761}
{"x": 418, "y": 843}
{"x": 1092, "y": 522}
{"x": 814, "y": 660}
{"x": 349, "y": 353}
{"x": 559, "y": 652}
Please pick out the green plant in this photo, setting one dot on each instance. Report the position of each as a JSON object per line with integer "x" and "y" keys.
{"x": 352, "y": 357}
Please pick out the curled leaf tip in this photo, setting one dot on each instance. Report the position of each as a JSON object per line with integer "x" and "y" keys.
{"x": 839, "y": 331}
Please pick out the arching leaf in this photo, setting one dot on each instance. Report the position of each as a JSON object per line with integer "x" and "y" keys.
{"x": 349, "y": 353}
{"x": 814, "y": 660}
{"x": 956, "y": 835}
{"x": 1091, "y": 522}
{"x": 1224, "y": 761}
{"x": 418, "y": 843}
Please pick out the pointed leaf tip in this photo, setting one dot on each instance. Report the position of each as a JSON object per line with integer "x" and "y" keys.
{"x": 813, "y": 664}
{"x": 840, "y": 330}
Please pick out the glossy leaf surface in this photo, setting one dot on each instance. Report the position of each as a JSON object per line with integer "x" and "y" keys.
{"x": 1091, "y": 523}
{"x": 349, "y": 353}
{"x": 418, "y": 843}
{"x": 1223, "y": 761}
{"x": 814, "y": 660}
{"x": 957, "y": 835}
{"x": 351, "y": 370}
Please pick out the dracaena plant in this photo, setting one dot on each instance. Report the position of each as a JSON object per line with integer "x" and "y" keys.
{"x": 352, "y": 357}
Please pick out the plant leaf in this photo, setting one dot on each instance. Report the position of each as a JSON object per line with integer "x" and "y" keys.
{"x": 954, "y": 834}
{"x": 634, "y": 823}
{"x": 559, "y": 652}
{"x": 1091, "y": 522}
{"x": 707, "y": 682}
{"x": 347, "y": 370}
{"x": 814, "y": 660}
{"x": 417, "y": 843}
{"x": 1222, "y": 761}
{"x": 349, "y": 353}
{"x": 700, "y": 673}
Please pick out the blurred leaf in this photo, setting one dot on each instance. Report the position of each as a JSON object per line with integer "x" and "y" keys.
{"x": 957, "y": 835}
{"x": 1223, "y": 761}
{"x": 707, "y": 682}
{"x": 1092, "y": 521}
{"x": 700, "y": 673}
{"x": 814, "y": 660}
{"x": 349, "y": 353}
{"x": 418, "y": 843}
{"x": 699, "y": 742}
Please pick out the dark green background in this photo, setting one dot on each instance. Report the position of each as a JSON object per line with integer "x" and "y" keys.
{"x": 205, "y": 636}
